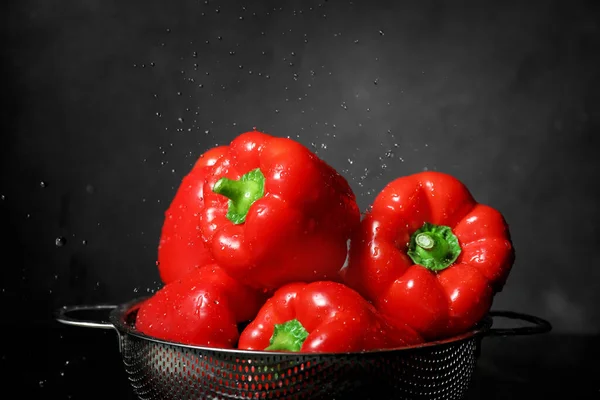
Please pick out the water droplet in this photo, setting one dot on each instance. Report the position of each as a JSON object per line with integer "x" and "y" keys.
{"x": 2, "y": 197}
{"x": 389, "y": 154}
{"x": 381, "y": 32}
{"x": 60, "y": 241}
{"x": 180, "y": 120}
{"x": 43, "y": 184}
{"x": 178, "y": 93}
{"x": 350, "y": 161}
{"x": 376, "y": 81}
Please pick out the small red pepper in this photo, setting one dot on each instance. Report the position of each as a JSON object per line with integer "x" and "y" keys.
{"x": 322, "y": 316}
{"x": 203, "y": 308}
{"x": 275, "y": 213}
{"x": 429, "y": 255}
{"x": 181, "y": 248}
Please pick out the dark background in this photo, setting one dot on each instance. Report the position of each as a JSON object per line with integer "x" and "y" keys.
{"x": 107, "y": 104}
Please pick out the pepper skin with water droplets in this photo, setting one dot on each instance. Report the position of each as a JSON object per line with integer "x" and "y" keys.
{"x": 429, "y": 255}
{"x": 203, "y": 308}
{"x": 181, "y": 249}
{"x": 319, "y": 317}
{"x": 274, "y": 213}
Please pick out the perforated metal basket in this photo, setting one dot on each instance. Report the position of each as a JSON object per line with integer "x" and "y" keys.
{"x": 164, "y": 370}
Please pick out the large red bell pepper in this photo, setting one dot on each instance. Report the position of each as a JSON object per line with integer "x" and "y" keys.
{"x": 203, "y": 308}
{"x": 322, "y": 316}
{"x": 181, "y": 248}
{"x": 275, "y": 213}
{"x": 429, "y": 255}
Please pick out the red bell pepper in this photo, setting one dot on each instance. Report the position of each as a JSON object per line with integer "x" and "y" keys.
{"x": 429, "y": 255}
{"x": 203, "y": 308}
{"x": 322, "y": 316}
{"x": 181, "y": 248}
{"x": 275, "y": 213}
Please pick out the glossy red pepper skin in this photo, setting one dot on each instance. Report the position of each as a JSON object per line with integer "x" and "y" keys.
{"x": 203, "y": 308}
{"x": 297, "y": 231}
{"x": 336, "y": 318}
{"x": 437, "y": 304}
{"x": 181, "y": 248}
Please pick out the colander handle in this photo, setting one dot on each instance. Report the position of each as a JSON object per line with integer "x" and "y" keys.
{"x": 66, "y": 315}
{"x": 538, "y": 325}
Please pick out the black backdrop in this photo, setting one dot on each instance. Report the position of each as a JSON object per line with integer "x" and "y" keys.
{"x": 107, "y": 104}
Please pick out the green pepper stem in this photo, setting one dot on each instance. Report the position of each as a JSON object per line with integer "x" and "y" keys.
{"x": 434, "y": 247}
{"x": 241, "y": 193}
{"x": 230, "y": 188}
{"x": 289, "y": 336}
{"x": 425, "y": 241}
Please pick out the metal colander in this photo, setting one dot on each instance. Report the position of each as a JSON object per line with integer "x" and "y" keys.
{"x": 164, "y": 370}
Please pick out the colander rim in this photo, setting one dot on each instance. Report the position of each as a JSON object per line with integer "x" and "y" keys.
{"x": 119, "y": 316}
